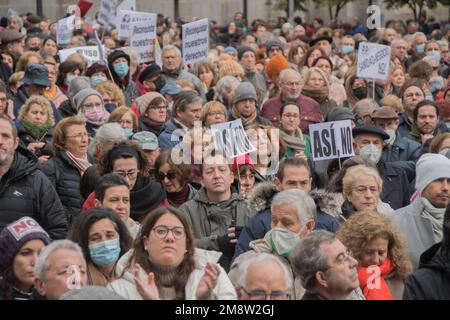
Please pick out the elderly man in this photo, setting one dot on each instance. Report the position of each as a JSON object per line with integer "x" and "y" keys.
{"x": 389, "y": 35}
{"x": 418, "y": 46}
{"x": 326, "y": 269}
{"x": 399, "y": 48}
{"x": 291, "y": 83}
{"x": 422, "y": 221}
{"x": 187, "y": 109}
{"x": 12, "y": 41}
{"x": 263, "y": 276}
{"x": 247, "y": 58}
{"x": 274, "y": 47}
{"x": 173, "y": 68}
{"x": 293, "y": 217}
{"x": 363, "y": 109}
{"x": 60, "y": 267}
{"x": 347, "y": 44}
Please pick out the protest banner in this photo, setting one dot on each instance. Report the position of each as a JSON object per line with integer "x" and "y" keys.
{"x": 107, "y": 13}
{"x": 195, "y": 41}
{"x": 127, "y": 18}
{"x": 91, "y": 53}
{"x": 331, "y": 140}
{"x": 64, "y": 30}
{"x": 373, "y": 61}
{"x": 230, "y": 137}
{"x": 126, "y": 5}
{"x": 141, "y": 38}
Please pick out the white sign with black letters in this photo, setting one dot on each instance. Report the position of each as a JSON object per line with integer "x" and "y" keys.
{"x": 331, "y": 140}
{"x": 141, "y": 38}
{"x": 107, "y": 13}
{"x": 231, "y": 138}
{"x": 64, "y": 30}
{"x": 127, "y": 18}
{"x": 90, "y": 53}
{"x": 195, "y": 41}
{"x": 373, "y": 61}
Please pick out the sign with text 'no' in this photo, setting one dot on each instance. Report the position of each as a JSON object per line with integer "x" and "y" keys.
{"x": 331, "y": 140}
{"x": 195, "y": 41}
{"x": 373, "y": 61}
{"x": 230, "y": 137}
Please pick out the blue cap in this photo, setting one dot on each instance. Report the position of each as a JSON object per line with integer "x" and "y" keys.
{"x": 231, "y": 50}
{"x": 171, "y": 88}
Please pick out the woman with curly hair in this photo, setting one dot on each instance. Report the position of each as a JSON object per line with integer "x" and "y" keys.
{"x": 380, "y": 249}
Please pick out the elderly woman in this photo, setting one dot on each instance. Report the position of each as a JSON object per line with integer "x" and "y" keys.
{"x": 150, "y": 79}
{"x": 35, "y": 127}
{"x": 111, "y": 94}
{"x": 362, "y": 186}
{"x": 70, "y": 161}
{"x": 380, "y": 249}
{"x": 152, "y": 107}
{"x": 176, "y": 179}
{"x": 19, "y": 253}
{"x": 296, "y": 143}
{"x": 119, "y": 65}
{"x": 90, "y": 106}
{"x": 213, "y": 112}
{"x": 337, "y": 90}
{"x": 127, "y": 120}
{"x": 154, "y": 271}
{"x": 103, "y": 238}
{"x": 317, "y": 87}
{"x": 224, "y": 90}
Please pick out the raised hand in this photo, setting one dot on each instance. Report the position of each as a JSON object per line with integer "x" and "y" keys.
{"x": 208, "y": 281}
{"x": 147, "y": 289}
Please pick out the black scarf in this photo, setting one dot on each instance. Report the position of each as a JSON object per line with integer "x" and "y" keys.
{"x": 147, "y": 124}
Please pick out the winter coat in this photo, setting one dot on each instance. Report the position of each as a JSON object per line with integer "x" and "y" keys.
{"x": 26, "y": 138}
{"x": 223, "y": 290}
{"x": 22, "y": 96}
{"x": 182, "y": 74}
{"x": 259, "y": 121}
{"x": 66, "y": 109}
{"x": 309, "y": 111}
{"x": 26, "y": 191}
{"x": 405, "y": 126}
{"x": 395, "y": 185}
{"x": 432, "y": 280}
{"x": 416, "y": 228}
{"x": 165, "y": 141}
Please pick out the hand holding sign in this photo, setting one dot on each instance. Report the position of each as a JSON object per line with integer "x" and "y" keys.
{"x": 331, "y": 140}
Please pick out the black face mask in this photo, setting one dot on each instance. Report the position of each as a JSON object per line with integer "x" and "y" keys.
{"x": 160, "y": 83}
{"x": 360, "y": 93}
{"x": 35, "y": 49}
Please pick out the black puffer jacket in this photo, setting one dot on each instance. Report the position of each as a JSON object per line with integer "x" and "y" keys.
{"x": 26, "y": 138}
{"x": 26, "y": 191}
{"x": 65, "y": 177}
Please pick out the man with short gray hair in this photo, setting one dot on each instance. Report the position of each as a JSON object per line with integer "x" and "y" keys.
{"x": 363, "y": 109}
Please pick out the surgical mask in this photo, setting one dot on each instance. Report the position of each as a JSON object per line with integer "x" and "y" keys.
{"x": 69, "y": 79}
{"x": 283, "y": 241}
{"x": 347, "y": 49}
{"x": 110, "y": 107}
{"x": 360, "y": 93}
{"x": 371, "y": 154}
{"x": 106, "y": 253}
{"x": 95, "y": 80}
{"x": 128, "y": 132}
{"x": 95, "y": 114}
{"x": 121, "y": 69}
{"x": 435, "y": 54}
{"x": 436, "y": 83}
{"x": 392, "y": 136}
{"x": 420, "y": 48}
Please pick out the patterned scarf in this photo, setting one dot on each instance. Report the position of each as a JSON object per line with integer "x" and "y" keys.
{"x": 295, "y": 142}
{"x": 82, "y": 164}
{"x": 37, "y": 132}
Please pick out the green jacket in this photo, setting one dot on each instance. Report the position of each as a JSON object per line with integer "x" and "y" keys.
{"x": 289, "y": 153}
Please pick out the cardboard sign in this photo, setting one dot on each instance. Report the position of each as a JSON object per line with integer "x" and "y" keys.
{"x": 373, "y": 61}
{"x": 195, "y": 41}
{"x": 158, "y": 54}
{"x": 331, "y": 140}
{"x": 64, "y": 30}
{"x": 91, "y": 53}
{"x": 107, "y": 14}
{"x": 129, "y": 5}
{"x": 142, "y": 19}
{"x": 230, "y": 137}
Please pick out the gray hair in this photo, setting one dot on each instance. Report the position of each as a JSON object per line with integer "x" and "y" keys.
{"x": 418, "y": 34}
{"x": 261, "y": 258}
{"x": 308, "y": 258}
{"x": 171, "y": 47}
{"x": 303, "y": 203}
{"x": 224, "y": 86}
{"x": 78, "y": 84}
{"x": 41, "y": 267}
{"x": 108, "y": 132}
{"x": 184, "y": 99}
{"x": 365, "y": 105}
{"x": 288, "y": 72}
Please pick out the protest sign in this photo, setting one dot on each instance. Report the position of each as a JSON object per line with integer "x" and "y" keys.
{"x": 64, "y": 30}
{"x": 230, "y": 137}
{"x": 331, "y": 140}
{"x": 91, "y": 53}
{"x": 195, "y": 41}
{"x": 127, "y": 5}
{"x": 107, "y": 13}
{"x": 158, "y": 54}
{"x": 126, "y": 18}
{"x": 141, "y": 38}
{"x": 373, "y": 61}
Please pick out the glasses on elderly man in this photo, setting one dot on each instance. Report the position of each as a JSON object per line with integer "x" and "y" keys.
{"x": 262, "y": 295}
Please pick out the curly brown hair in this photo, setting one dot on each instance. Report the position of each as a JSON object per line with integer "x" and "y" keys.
{"x": 365, "y": 226}
{"x": 183, "y": 171}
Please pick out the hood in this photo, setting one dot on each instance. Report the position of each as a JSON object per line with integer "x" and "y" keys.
{"x": 261, "y": 197}
{"x": 436, "y": 258}
{"x": 24, "y": 163}
{"x": 262, "y": 245}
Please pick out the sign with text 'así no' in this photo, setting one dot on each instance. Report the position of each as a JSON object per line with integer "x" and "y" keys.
{"x": 331, "y": 140}
{"x": 373, "y": 61}
{"x": 230, "y": 137}
{"x": 195, "y": 41}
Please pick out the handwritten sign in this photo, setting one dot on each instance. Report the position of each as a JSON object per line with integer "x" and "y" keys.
{"x": 373, "y": 61}
{"x": 141, "y": 38}
{"x": 331, "y": 140}
{"x": 230, "y": 137}
{"x": 195, "y": 41}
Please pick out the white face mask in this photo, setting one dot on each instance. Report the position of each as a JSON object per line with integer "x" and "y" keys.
{"x": 284, "y": 241}
{"x": 371, "y": 154}
{"x": 392, "y": 137}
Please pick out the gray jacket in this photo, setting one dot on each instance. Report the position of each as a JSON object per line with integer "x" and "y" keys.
{"x": 416, "y": 228}
{"x": 182, "y": 74}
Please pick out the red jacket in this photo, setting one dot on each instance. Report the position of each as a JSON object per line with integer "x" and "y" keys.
{"x": 309, "y": 111}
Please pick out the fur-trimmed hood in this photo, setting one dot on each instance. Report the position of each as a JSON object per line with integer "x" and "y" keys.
{"x": 328, "y": 202}
{"x": 261, "y": 197}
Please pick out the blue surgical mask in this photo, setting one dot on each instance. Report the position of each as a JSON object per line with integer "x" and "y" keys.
{"x": 128, "y": 132}
{"x": 420, "y": 48}
{"x": 106, "y": 253}
{"x": 95, "y": 80}
{"x": 435, "y": 54}
{"x": 121, "y": 69}
{"x": 347, "y": 49}
{"x": 110, "y": 107}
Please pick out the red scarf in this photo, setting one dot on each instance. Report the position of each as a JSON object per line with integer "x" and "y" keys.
{"x": 367, "y": 275}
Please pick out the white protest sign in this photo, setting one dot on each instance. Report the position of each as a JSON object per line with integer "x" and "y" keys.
{"x": 195, "y": 41}
{"x": 127, "y": 18}
{"x": 90, "y": 53}
{"x": 373, "y": 61}
{"x": 141, "y": 38}
{"x": 107, "y": 13}
{"x": 331, "y": 140}
{"x": 64, "y": 30}
{"x": 158, "y": 53}
{"x": 231, "y": 138}
{"x": 129, "y": 5}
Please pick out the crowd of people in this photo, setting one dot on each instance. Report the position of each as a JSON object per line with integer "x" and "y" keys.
{"x": 112, "y": 185}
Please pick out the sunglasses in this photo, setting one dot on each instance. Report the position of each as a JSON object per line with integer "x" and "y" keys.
{"x": 170, "y": 175}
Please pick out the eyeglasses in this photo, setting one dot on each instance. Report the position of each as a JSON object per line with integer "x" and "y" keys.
{"x": 262, "y": 295}
{"x": 215, "y": 113}
{"x": 170, "y": 175}
{"x": 292, "y": 84}
{"x": 131, "y": 174}
{"x": 79, "y": 136}
{"x": 363, "y": 190}
{"x": 162, "y": 231}
{"x": 342, "y": 258}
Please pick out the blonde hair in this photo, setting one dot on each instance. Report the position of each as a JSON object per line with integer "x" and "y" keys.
{"x": 111, "y": 88}
{"x": 23, "y": 60}
{"x": 39, "y": 100}
{"x": 392, "y": 101}
{"x": 208, "y": 106}
{"x": 319, "y": 71}
{"x": 353, "y": 173}
{"x": 118, "y": 113}
{"x": 15, "y": 78}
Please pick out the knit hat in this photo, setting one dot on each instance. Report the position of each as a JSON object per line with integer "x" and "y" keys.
{"x": 151, "y": 71}
{"x": 245, "y": 49}
{"x": 15, "y": 235}
{"x": 230, "y": 68}
{"x": 83, "y": 95}
{"x": 277, "y": 64}
{"x": 244, "y": 91}
{"x": 430, "y": 167}
{"x": 230, "y": 50}
{"x": 273, "y": 43}
{"x": 143, "y": 101}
